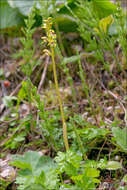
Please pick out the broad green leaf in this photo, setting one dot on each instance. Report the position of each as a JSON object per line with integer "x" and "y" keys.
{"x": 35, "y": 169}
{"x": 66, "y": 23}
{"x": 10, "y": 17}
{"x": 120, "y": 137}
{"x": 113, "y": 165}
{"x": 24, "y": 6}
{"x": 35, "y": 161}
{"x": 104, "y": 7}
{"x": 92, "y": 172}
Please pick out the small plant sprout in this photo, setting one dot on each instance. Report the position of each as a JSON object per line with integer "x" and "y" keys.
{"x": 51, "y": 40}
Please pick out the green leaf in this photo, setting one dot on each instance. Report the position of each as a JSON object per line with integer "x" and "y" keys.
{"x": 92, "y": 172}
{"x": 75, "y": 58}
{"x": 96, "y": 180}
{"x": 64, "y": 159}
{"x": 104, "y": 8}
{"x": 45, "y": 8}
{"x": 35, "y": 186}
{"x": 23, "y": 6}
{"x": 66, "y": 23}
{"x": 20, "y": 164}
{"x": 35, "y": 161}
{"x": 113, "y": 165}
{"x": 105, "y": 23}
{"x": 68, "y": 162}
{"x": 10, "y": 17}
{"x": 23, "y": 92}
{"x": 35, "y": 169}
{"x": 71, "y": 59}
{"x": 93, "y": 132}
{"x": 125, "y": 178}
{"x": 120, "y": 137}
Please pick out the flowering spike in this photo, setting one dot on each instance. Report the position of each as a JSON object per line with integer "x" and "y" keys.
{"x": 51, "y": 40}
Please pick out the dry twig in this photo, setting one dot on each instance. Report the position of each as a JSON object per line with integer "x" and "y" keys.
{"x": 43, "y": 75}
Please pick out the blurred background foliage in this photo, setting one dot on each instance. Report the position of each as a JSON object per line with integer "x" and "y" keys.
{"x": 14, "y": 12}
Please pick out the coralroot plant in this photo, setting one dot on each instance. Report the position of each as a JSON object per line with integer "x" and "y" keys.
{"x": 51, "y": 40}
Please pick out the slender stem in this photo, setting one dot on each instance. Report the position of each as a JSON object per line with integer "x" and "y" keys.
{"x": 60, "y": 101}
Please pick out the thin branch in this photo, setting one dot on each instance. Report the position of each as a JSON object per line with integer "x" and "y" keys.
{"x": 43, "y": 75}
